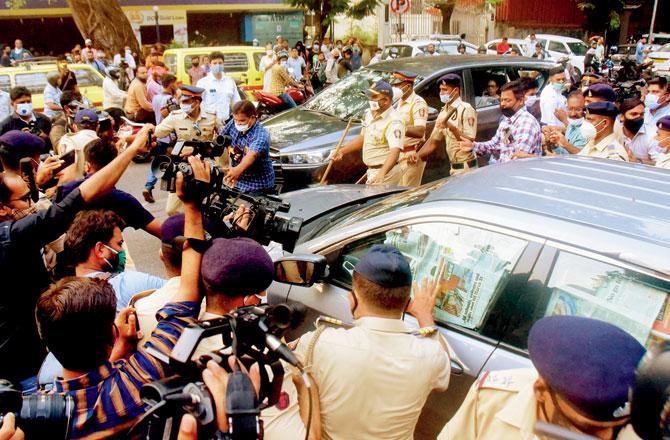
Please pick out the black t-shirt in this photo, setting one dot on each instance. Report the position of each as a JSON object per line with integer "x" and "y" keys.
{"x": 68, "y": 81}
{"x": 122, "y": 203}
{"x": 14, "y": 122}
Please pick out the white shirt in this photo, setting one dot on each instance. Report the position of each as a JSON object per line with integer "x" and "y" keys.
{"x": 375, "y": 59}
{"x": 51, "y": 95}
{"x": 642, "y": 144}
{"x": 5, "y": 105}
{"x": 219, "y": 96}
{"x": 550, "y": 100}
{"x": 128, "y": 58}
{"x": 113, "y": 96}
{"x": 266, "y": 60}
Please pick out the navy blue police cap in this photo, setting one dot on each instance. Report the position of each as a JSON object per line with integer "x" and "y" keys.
{"x": 86, "y": 115}
{"x": 450, "y": 79}
{"x": 590, "y": 363}
{"x": 236, "y": 267}
{"x": 386, "y": 266}
{"x": 401, "y": 76}
{"x": 602, "y": 108}
{"x": 603, "y": 91}
{"x": 380, "y": 88}
{"x": 21, "y": 144}
{"x": 664, "y": 123}
{"x": 187, "y": 90}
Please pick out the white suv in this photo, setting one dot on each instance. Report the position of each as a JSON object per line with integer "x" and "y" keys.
{"x": 558, "y": 47}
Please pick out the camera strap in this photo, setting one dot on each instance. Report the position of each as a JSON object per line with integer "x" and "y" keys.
{"x": 242, "y": 407}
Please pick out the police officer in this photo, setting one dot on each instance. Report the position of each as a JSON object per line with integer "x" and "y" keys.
{"x": 378, "y": 366}
{"x": 382, "y": 137}
{"x": 663, "y": 141}
{"x": 583, "y": 370}
{"x": 599, "y": 93}
{"x": 189, "y": 123}
{"x": 457, "y": 121}
{"x": 598, "y": 129}
{"x": 414, "y": 112}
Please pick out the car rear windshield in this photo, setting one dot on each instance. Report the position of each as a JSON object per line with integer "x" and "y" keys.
{"x": 345, "y": 99}
{"x": 578, "y": 48}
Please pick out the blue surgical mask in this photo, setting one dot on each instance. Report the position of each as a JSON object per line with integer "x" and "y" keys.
{"x": 217, "y": 68}
{"x": 575, "y": 122}
{"x": 651, "y": 101}
{"x": 24, "y": 109}
{"x": 444, "y": 98}
{"x": 531, "y": 100}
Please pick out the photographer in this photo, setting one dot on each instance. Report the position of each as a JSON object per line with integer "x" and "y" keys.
{"x": 85, "y": 131}
{"x": 190, "y": 123}
{"x": 106, "y": 394}
{"x": 17, "y": 145}
{"x": 70, "y": 101}
{"x": 24, "y": 275}
{"x": 251, "y": 168}
{"x": 24, "y": 118}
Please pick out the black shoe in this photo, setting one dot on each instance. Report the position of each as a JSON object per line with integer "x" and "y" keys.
{"x": 148, "y": 196}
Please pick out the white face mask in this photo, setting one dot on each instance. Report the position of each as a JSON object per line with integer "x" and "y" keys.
{"x": 588, "y": 131}
{"x": 241, "y": 127}
{"x": 444, "y": 98}
{"x": 186, "y": 108}
{"x": 531, "y": 100}
{"x": 24, "y": 109}
{"x": 651, "y": 101}
{"x": 374, "y": 105}
{"x": 316, "y": 47}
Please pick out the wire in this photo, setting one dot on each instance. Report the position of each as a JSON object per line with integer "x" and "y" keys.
{"x": 145, "y": 416}
{"x": 308, "y": 385}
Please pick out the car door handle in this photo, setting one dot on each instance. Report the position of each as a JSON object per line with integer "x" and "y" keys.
{"x": 457, "y": 368}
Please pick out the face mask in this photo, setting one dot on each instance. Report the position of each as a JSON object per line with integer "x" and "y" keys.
{"x": 374, "y": 105}
{"x": 531, "y": 100}
{"x": 217, "y": 68}
{"x": 357, "y": 50}
{"x": 651, "y": 101}
{"x": 196, "y": 63}
{"x": 633, "y": 125}
{"x": 241, "y": 128}
{"x": 186, "y": 108}
{"x": 18, "y": 214}
{"x": 588, "y": 131}
{"x": 119, "y": 263}
{"x": 558, "y": 86}
{"x": 445, "y": 98}
{"x": 508, "y": 112}
{"x": 575, "y": 122}
{"x": 282, "y": 63}
{"x": 24, "y": 109}
{"x": 339, "y": 46}
{"x": 316, "y": 47}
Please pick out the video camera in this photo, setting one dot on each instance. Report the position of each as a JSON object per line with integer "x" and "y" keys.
{"x": 219, "y": 201}
{"x": 172, "y": 104}
{"x": 39, "y": 415}
{"x": 252, "y": 334}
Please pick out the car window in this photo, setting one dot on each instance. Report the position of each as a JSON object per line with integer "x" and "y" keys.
{"x": 578, "y": 48}
{"x": 487, "y": 82}
{"x": 403, "y": 51}
{"x": 478, "y": 264}
{"x": 87, "y": 78}
{"x": 33, "y": 81}
{"x": 257, "y": 60}
{"x": 665, "y": 48}
{"x": 170, "y": 61}
{"x": 188, "y": 59}
{"x": 236, "y": 62}
{"x": 582, "y": 286}
{"x": 344, "y": 98}
{"x": 5, "y": 83}
{"x": 493, "y": 46}
{"x": 557, "y": 46}
{"x": 543, "y": 42}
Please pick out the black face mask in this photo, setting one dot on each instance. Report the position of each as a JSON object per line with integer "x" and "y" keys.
{"x": 508, "y": 112}
{"x": 633, "y": 125}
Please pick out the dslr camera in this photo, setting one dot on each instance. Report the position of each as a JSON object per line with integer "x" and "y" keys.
{"x": 40, "y": 416}
{"x": 172, "y": 104}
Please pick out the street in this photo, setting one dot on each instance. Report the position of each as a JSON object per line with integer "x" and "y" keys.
{"x": 143, "y": 247}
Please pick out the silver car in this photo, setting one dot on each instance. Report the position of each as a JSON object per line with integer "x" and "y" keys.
{"x": 524, "y": 240}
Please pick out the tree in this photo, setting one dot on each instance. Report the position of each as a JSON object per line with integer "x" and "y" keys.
{"x": 104, "y": 22}
{"x": 325, "y": 11}
{"x": 602, "y": 15}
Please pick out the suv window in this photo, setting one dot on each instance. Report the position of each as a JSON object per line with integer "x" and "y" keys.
{"x": 557, "y": 46}
{"x": 487, "y": 83}
{"x": 403, "y": 51}
{"x": 86, "y": 78}
{"x": 582, "y": 286}
{"x": 232, "y": 62}
{"x": 33, "y": 81}
{"x": 5, "y": 83}
{"x": 478, "y": 265}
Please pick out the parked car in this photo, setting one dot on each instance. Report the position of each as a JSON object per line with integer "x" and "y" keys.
{"x": 624, "y": 52}
{"x": 417, "y": 48}
{"x": 241, "y": 64}
{"x": 517, "y": 44}
{"x": 661, "y": 58}
{"x": 660, "y": 39}
{"x": 34, "y": 77}
{"x": 304, "y": 137}
{"x": 558, "y": 47}
{"x": 531, "y": 238}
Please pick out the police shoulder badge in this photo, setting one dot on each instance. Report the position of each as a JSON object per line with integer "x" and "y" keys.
{"x": 397, "y": 133}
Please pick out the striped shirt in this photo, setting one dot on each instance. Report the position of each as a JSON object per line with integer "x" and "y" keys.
{"x": 521, "y": 132}
{"x": 260, "y": 175}
{"x": 107, "y": 400}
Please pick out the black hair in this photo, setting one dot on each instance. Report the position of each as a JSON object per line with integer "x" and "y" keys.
{"x": 18, "y": 92}
{"x": 216, "y": 55}
{"x": 244, "y": 107}
{"x": 116, "y": 113}
{"x": 167, "y": 79}
{"x": 514, "y": 87}
{"x": 629, "y": 104}
{"x": 87, "y": 229}
{"x": 68, "y": 96}
{"x": 99, "y": 153}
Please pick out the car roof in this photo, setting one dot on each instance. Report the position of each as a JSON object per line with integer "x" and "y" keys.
{"x": 509, "y": 40}
{"x": 558, "y": 38}
{"x": 625, "y": 198}
{"x": 223, "y": 49}
{"x": 427, "y": 66}
{"x": 39, "y": 68}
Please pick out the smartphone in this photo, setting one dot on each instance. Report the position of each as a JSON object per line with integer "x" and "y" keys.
{"x": 68, "y": 159}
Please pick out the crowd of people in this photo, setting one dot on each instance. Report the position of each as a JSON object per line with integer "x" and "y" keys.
{"x": 92, "y": 325}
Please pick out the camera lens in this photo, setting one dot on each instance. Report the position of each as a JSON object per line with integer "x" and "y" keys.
{"x": 46, "y": 416}
{"x": 185, "y": 168}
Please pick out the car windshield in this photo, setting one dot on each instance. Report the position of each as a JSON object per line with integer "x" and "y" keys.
{"x": 344, "y": 98}
{"x": 578, "y": 48}
{"x": 388, "y": 204}
{"x": 665, "y": 48}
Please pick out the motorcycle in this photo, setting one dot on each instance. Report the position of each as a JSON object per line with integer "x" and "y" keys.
{"x": 269, "y": 104}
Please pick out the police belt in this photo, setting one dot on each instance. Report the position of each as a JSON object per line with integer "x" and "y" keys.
{"x": 375, "y": 167}
{"x": 461, "y": 165}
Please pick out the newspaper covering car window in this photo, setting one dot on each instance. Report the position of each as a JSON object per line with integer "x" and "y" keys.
{"x": 584, "y": 287}
{"x": 478, "y": 264}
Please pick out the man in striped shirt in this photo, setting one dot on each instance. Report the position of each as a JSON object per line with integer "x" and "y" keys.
{"x": 518, "y": 135}
{"x": 76, "y": 320}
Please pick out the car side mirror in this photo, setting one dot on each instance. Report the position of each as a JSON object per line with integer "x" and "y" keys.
{"x": 432, "y": 113}
{"x": 301, "y": 269}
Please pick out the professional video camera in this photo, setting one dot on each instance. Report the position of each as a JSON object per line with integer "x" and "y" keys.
{"x": 172, "y": 104}
{"x": 252, "y": 334}
{"x": 40, "y": 416}
{"x": 219, "y": 201}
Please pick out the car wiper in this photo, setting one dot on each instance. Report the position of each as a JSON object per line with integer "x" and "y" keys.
{"x": 320, "y": 112}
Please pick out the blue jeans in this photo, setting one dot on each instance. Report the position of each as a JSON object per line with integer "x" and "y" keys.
{"x": 161, "y": 148}
{"x": 288, "y": 100}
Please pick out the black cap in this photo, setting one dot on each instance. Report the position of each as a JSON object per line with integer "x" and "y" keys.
{"x": 602, "y": 91}
{"x": 191, "y": 90}
{"x": 556, "y": 70}
{"x": 664, "y": 123}
{"x": 386, "y": 266}
{"x": 450, "y": 79}
{"x": 603, "y": 108}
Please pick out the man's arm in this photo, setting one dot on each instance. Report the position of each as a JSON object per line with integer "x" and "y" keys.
{"x": 165, "y": 127}
{"x": 420, "y": 117}
{"x": 356, "y": 144}
{"x": 490, "y": 146}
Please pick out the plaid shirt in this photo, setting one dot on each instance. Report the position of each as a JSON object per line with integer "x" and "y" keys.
{"x": 260, "y": 175}
{"x": 521, "y": 132}
{"x": 107, "y": 400}
{"x": 279, "y": 80}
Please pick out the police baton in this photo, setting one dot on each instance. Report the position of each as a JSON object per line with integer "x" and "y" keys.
{"x": 337, "y": 149}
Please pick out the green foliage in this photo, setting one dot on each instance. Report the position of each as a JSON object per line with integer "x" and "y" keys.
{"x": 174, "y": 45}
{"x": 329, "y": 9}
{"x": 602, "y": 15}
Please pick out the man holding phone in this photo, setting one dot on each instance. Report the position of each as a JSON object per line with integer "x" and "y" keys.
{"x": 86, "y": 125}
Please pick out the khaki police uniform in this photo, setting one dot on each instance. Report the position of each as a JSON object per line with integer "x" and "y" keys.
{"x": 607, "y": 148}
{"x": 414, "y": 112}
{"x": 380, "y": 134}
{"x": 501, "y": 405}
{"x": 465, "y": 119}
{"x": 664, "y": 161}
{"x": 373, "y": 380}
{"x": 205, "y": 128}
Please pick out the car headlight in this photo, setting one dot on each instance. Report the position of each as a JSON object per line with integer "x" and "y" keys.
{"x": 308, "y": 157}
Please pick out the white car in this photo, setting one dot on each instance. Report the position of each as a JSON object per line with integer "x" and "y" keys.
{"x": 408, "y": 49}
{"x": 661, "y": 59}
{"x": 557, "y": 47}
{"x": 518, "y": 44}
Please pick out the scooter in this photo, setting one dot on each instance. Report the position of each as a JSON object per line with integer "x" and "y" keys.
{"x": 269, "y": 104}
